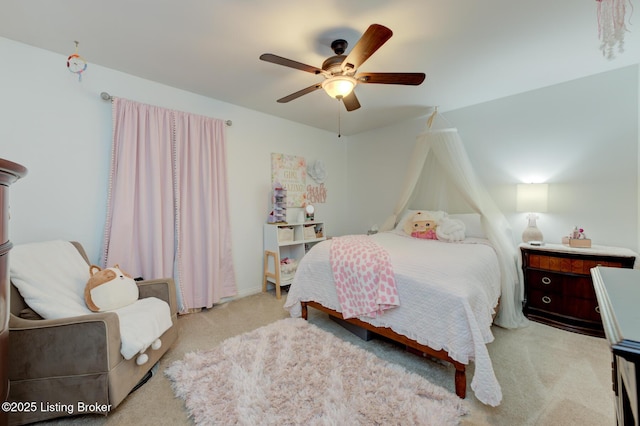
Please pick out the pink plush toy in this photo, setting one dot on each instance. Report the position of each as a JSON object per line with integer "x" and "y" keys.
{"x": 421, "y": 225}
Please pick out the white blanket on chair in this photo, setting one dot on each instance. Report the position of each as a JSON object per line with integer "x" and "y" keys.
{"x": 51, "y": 277}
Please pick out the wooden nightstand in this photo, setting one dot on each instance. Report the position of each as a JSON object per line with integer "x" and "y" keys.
{"x": 558, "y": 286}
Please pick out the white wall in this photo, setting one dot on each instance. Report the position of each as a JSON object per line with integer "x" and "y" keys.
{"x": 581, "y": 137}
{"x": 60, "y": 129}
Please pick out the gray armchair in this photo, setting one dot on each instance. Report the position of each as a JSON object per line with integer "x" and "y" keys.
{"x": 76, "y": 362}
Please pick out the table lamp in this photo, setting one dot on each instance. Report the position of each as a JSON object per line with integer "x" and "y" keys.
{"x": 532, "y": 198}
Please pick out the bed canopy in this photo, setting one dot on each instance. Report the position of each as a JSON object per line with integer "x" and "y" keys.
{"x": 440, "y": 177}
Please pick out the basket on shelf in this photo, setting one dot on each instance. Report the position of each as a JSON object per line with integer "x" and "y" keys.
{"x": 309, "y": 232}
{"x": 288, "y": 268}
{"x": 285, "y": 233}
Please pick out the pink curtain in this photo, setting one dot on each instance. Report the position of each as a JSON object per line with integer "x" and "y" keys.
{"x": 167, "y": 212}
{"x": 203, "y": 226}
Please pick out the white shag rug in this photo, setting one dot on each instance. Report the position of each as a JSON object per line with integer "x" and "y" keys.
{"x": 293, "y": 373}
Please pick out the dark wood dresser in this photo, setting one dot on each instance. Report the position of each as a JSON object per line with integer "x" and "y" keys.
{"x": 618, "y": 293}
{"x": 9, "y": 173}
{"x": 558, "y": 286}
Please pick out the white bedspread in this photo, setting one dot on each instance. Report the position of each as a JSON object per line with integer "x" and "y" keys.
{"x": 447, "y": 292}
{"x": 51, "y": 277}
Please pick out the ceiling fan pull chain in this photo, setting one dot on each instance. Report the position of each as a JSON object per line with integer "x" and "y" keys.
{"x": 339, "y": 108}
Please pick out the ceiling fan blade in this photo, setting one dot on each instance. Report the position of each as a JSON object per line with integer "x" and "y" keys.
{"x": 279, "y": 60}
{"x": 407, "y": 78}
{"x": 299, "y": 93}
{"x": 375, "y": 36}
{"x": 351, "y": 102}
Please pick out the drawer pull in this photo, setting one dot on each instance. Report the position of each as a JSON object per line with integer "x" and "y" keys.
{"x": 546, "y": 299}
{"x": 598, "y": 309}
{"x": 546, "y": 280}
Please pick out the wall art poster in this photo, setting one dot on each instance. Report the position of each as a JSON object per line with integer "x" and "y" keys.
{"x": 316, "y": 194}
{"x": 291, "y": 172}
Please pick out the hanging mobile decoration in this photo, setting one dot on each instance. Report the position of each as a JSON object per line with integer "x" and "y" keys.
{"x": 611, "y": 26}
{"x": 76, "y": 63}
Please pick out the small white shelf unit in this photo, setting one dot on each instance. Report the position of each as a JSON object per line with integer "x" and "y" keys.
{"x": 290, "y": 240}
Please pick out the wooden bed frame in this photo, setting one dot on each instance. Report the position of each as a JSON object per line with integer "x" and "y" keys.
{"x": 412, "y": 345}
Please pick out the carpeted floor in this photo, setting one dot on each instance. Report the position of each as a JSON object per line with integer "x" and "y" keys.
{"x": 548, "y": 376}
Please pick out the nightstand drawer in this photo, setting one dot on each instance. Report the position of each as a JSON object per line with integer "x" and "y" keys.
{"x": 570, "y": 286}
{"x": 544, "y": 281}
{"x": 557, "y": 304}
{"x": 546, "y": 301}
{"x": 574, "y": 266}
{"x": 583, "y": 308}
{"x": 580, "y": 287}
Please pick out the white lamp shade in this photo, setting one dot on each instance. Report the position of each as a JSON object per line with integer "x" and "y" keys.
{"x": 532, "y": 197}
{"x": 339, "y": 86}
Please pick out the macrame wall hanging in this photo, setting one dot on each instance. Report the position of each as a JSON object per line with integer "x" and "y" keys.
{"x": 611, "y": 25}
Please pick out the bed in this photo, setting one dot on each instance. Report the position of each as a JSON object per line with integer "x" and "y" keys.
{"x": 448, "y": 294}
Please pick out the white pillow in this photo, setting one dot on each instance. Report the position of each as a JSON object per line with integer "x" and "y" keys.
{"x": 472, "y": 223}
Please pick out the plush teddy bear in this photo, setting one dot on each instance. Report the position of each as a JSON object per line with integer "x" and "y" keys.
{"x": 421, "y": 225}
{"x": 109, "y": 289}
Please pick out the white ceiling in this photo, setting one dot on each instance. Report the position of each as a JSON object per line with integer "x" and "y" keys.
{"x": 472, "y": 51}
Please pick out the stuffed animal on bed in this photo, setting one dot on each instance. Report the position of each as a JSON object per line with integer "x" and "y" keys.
{"x": 421, "y": 225}
{"x": 435, "y": 226}
{"x": 109, "y": 289}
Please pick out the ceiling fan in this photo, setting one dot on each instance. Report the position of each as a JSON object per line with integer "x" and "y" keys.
{"x": 340, "y": 70}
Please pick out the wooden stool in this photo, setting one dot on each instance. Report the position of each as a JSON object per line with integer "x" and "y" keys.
{"x": 267, "y": 274}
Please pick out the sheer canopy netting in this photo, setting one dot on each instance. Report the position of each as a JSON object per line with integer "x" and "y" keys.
{"x": 440, "y": 177}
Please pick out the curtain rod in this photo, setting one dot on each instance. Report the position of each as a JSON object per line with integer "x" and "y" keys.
{"x": 107, "y": 97}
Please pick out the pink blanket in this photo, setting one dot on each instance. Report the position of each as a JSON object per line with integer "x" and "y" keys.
{"x": 363, "y": 275}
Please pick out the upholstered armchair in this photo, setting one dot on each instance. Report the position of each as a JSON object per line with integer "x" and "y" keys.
{"x": 74, "y": 365}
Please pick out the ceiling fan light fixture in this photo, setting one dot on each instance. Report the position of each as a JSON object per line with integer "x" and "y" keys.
{"x": 339, "y": 86}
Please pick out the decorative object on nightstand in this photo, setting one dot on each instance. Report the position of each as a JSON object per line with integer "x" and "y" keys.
{"x": 576, "y": 238}
{"x": 558, "y": 286}
{"x": 532, "y": 198}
